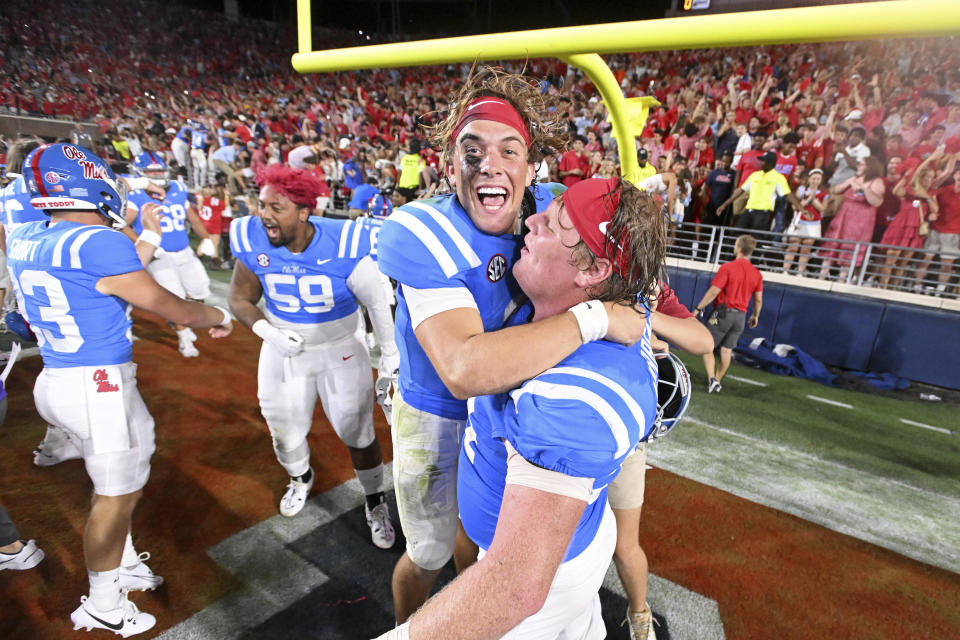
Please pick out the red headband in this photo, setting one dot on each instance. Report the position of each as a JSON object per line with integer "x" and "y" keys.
{"x": 496, "y": 109}
{"x": 591, "y": 205}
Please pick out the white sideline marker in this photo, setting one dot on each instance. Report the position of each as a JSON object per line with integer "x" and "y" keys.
{"x": 747, "y": 380}
{"x": 833, "y": 402}
{"x": 926, "y": 426}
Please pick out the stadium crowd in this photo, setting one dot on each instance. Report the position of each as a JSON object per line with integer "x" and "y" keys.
{"x": 822, "y": 110}
{"x": 851, "y": 142}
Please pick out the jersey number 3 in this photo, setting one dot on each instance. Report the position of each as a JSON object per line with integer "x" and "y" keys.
{"x": 56, "y": 312}
{"x": 314, "y": 301}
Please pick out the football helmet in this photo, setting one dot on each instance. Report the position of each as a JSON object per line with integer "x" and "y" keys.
{"x": 67, "y": 177}
{"x": 673, "y": 394}
{"x": 150, "y": 165}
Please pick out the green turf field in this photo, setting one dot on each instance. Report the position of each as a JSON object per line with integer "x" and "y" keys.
{"x": 868, "y": 436}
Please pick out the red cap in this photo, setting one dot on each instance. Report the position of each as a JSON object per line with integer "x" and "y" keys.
{"x": 496, "y": 109}
{"x": 591, "y": 205}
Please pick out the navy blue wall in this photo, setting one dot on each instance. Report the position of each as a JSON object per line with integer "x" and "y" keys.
{"x": 863, "y": 334}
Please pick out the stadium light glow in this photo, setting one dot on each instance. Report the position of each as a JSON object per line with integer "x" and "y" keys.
{"x": 579, "y": 45}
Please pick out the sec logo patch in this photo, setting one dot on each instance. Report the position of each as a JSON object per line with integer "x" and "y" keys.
{"x": 263, "y": 260}
{"x": 496, "y": 268}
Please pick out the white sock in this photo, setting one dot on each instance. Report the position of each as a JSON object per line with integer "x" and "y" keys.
{"x": 185, "y": 335}
{"x": 130, "y": 556}
{"x": 371, "y": 479}
{"x": 105, "y": 589}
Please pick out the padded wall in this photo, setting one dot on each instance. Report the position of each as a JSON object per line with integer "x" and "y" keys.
{"x": 862, "y": 334}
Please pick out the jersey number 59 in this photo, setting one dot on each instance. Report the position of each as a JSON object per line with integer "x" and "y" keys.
{"x": 314, "y": 293}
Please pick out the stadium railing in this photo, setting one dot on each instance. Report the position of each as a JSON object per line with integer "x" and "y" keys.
{"x": 713, "y": 245}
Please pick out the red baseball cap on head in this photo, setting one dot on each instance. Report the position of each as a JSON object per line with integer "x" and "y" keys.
{"x": 591, "y": 205}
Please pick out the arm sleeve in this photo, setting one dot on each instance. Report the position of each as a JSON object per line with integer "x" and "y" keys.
{"x": 424, "y": 303}
{"x": 521, "y": 471}
{"x": 364, "y": 282}
{"x": 720, "y": 280}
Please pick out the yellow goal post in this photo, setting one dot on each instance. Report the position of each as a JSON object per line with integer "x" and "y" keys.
{"x": 581, "y": 46}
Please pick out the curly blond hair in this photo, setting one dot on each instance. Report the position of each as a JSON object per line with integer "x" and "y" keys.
{"x": 541, "y": 113}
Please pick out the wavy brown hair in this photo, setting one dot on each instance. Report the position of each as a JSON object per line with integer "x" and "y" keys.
{"x": 541, "y": 113}
{"x": 640, "y": 228}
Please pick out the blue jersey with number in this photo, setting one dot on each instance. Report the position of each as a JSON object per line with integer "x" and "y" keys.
{"x": 55, "y": 269}
{"x": 198, "y": 138}
{"x": 432, "y": 244}
{"x": 308, "y": 287}
{"x": 580, "y": 418}
{"x": 15, "y": 205}
{"x": 173, "y": 215}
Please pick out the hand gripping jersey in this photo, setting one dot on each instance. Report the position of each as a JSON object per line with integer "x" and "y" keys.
{"x": 173, "y": 215}
{"x": 432, "y": 244}
{"x": 15, "y": 207}
{"x": 55, "y": 269}
{"x": 581, "y": 418}
{"x": 309, "y": 287}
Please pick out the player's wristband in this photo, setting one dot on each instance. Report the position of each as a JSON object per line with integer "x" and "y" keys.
{"x": 227, "y": 318}
{"x": 592, "y": 318}
{"x": 150, "y": 237}
{"x": 262, "y": 328}
{"x": 137, "y": 183}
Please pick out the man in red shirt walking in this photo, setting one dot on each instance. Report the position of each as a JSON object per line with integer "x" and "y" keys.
{"x": 732, "y": 287}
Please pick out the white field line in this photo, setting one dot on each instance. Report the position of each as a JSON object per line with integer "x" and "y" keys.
{"x": 926, "y": 426}
{"x": 747, "y": 380}
{"x": 812, "y": 458}
{"x": 833, "y": 402}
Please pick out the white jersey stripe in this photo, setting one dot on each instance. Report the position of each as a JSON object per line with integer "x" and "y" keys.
{"x": 58, "y": 248}
{"x": 618, "y": 429}
{"x": 245, "y": 233}
{"x": 235, "y": 235}
{"x": 344, "y": 235}
{"x": 78, "y": 243}
{"x": 614, "y": 386}
{"x": 429, "y": 240}
{"x": 357, "y": 232}
{"x": 465, "y": 249}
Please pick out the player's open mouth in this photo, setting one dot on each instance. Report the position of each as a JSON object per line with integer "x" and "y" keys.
{"x": 273, "y": 231}
{"x": 492, "y": 198}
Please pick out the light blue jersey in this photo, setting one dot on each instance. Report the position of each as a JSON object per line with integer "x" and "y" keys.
{"x": 173, "y": 215}
{"x": 15, "y": 206}
{"x": 580, "y": 418}
{"x": 55, "y": 270}
{"x": 308, "y": 287}
{"x": 432, "y": 244}
{"x": 198, "y": 138}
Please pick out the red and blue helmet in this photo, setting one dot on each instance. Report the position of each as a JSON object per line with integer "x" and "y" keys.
{"x": 67, "y": 177}
{"x": 148, "y": 164}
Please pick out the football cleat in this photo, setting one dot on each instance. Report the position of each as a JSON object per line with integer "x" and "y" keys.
{"x": 58, "y": 446}
{"x": 381, "y": 529}
{"x": 714, "y": 386}
{"x": 139, "y": 577}
{"x": 641, "y": 624}
{"x": 126, "y": 620}
{"x": 29, "y": 556}
{"x": 296, "y": 496}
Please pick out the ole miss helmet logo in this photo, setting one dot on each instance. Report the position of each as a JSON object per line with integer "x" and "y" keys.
{"x": 52, "y": 177}
{"x": 496, "y": 268}
{"x": 263, "y": 260}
